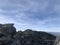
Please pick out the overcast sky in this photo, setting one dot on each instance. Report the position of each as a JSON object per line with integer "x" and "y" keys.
{"x": 41, "y": 15}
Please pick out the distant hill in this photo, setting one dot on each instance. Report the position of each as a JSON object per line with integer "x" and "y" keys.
{"x": 55, "y": 33}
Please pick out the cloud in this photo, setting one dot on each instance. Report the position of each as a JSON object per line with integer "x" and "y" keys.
{"x": 31, "y": 5}
{"x": 35, "y": 14}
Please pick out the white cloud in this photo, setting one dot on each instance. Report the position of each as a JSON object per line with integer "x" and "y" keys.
{"x": 6, "y": 11}
{"x": 22, "y": 18}
{"x": 31, "y": 5}
{"x": 5, "y": 19}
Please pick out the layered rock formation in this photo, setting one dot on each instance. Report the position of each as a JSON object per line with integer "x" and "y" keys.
{"x": 9, "y": 36}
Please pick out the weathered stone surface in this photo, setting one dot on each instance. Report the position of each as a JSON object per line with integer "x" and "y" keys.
{"x": 57, "y": 41}
{"x": 7, "y": 31}
{"x": 9, "y": 36}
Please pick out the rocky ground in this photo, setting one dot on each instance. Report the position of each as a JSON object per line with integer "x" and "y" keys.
{"x": 9, "y": 36}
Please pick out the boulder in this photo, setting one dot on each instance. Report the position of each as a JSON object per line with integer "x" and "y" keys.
{"x": 6, "y": 33}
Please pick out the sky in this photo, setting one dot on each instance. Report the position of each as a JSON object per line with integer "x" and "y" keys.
{"x": 40, "y": 15}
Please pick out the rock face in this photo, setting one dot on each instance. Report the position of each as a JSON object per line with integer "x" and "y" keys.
{"x": 9, "y": 36}
{"x": 7, "y": 31}
{"x": 57, "y": 41}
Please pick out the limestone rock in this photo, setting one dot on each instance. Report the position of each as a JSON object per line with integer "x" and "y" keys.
{"x": 57, "y": 41}
{"x": 9, "y": 36}
{"x": 6, "y": 33}
{"x": 29, "y": 37}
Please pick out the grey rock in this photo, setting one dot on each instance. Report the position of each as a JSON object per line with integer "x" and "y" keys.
{"x": 6, "y": 34}
{"x": 9, "y": 36}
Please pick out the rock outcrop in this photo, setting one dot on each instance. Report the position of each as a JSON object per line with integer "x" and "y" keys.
{"x": 57, "y": 41}
{"x": 9, "y": 36}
